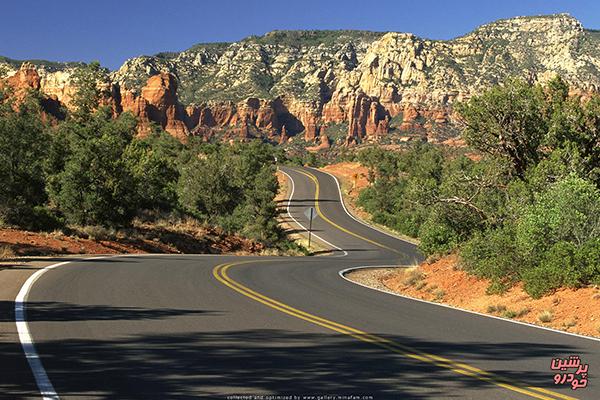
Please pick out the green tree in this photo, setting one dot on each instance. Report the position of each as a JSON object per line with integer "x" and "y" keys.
{"x": 96, "y": 187}
{"x": 91, "y": 83}
{"x": 152, "y": 162}
{"x": 569, "y": 211}
{"x": 507, "y": 121}
{"x": 24, "y": 142}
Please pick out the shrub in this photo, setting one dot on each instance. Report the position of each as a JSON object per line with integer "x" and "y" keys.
{"x": 413, "y": 276}
{"x": 233, "y": 187}
{"x": 437, "y": 237}
{"x": 587, "y": 258}
{"x": 493, "y": 255}
{"x": 546, "y": 316}
{"x": 568, "y": 211}
{"x": 558, "y": 268}
{"x": 6, "y": 252}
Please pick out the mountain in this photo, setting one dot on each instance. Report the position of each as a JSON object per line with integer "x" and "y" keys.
{"x": 348, "y": 85}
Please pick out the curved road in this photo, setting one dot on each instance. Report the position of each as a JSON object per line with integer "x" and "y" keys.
{"x": 170, "y": 327}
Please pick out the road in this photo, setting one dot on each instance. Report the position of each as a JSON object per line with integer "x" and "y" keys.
{"x": 193, "y": 326}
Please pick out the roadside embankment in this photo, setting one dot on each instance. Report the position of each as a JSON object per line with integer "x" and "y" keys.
{"x": 442, "y": 281}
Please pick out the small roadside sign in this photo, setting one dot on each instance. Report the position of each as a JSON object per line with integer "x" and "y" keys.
{"x": 311, "y": 214}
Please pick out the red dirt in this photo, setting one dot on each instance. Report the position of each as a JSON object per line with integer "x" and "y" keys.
{"x": 353, "y": 178}
{"x": 185, "y": 238}
{"x": 576, "y": 311}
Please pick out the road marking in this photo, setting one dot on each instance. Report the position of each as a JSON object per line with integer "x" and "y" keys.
{"x": 44, "y": 385}
{"x": 343, "y": 273}
{"x": 317, "y": 206}
{"x": 302, "y": 226}
{"x": 220, "y": 273}
{"x": 337, "y": 182}
{"x": 39, "y": 373}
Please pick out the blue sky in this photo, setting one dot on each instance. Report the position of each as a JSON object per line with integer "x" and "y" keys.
{"x": 113, "y": 30}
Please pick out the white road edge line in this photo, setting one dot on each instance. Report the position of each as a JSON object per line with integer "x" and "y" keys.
{"x": 355, "y": 218}
{"x": 302, "y": 226}
{"x": 44, "y": 385}
{"x": 343, "y": 273}
{"x": 39, "y": 373}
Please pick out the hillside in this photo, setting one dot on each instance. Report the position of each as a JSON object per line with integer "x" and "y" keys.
{"x": 350, "y": 85}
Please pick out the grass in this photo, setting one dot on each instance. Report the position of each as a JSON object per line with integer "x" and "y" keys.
{"x": 438, "y": 295}
{"x": 523, "y": 311}
{"x": 498, "y": 308}
{"x": 431, "y": 288}
{"x": 6, "y": 252}
{"x": 97, "y": 233}
{"x": 505, "y": 312}
{"x": 413, "y": 276}
{"x": 570, "y": 323}
{"x": 546, "y": 316}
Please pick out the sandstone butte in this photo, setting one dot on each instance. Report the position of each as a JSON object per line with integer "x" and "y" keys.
{"x": 360, "y": 85}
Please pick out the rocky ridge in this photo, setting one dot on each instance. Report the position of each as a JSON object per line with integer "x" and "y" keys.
{"x": 287, "y": 83}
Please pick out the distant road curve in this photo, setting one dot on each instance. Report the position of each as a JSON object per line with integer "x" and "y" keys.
{"x": 194, "y": 326}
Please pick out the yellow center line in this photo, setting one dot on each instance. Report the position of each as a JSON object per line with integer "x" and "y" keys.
{"x": 341, "y": 228}
{"x": 220, "y": 273}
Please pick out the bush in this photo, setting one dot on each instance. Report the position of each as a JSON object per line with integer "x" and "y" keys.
{"x": 233, "y": 187}
{"x": 587, "y": 257}
{"x": 546, "y": 316}
{"x": 555, "y": 270}
{"x": 437, "y": 237}
{"x": 492, "y": 254}
{"x": 569, "y": 211}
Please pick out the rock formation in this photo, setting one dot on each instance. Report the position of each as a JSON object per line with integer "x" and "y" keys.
{"x": 298, "y": 81}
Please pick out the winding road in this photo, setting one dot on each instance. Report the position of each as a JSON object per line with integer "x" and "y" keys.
{"x": 186, "y": 326}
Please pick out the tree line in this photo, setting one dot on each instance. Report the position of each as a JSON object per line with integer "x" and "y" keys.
{"x": 522, "y": 203}
{"x": 91, "y": 169}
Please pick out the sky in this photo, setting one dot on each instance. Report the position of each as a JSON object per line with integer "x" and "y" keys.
{"x": 112, "y": 31}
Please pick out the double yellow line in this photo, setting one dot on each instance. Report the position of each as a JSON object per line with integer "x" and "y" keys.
{"x": 220, "y": 273}
{"x": 341, "y": 228}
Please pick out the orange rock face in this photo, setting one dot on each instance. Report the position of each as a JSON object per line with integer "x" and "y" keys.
{"x": 279, "y": 119}
{"x": 25, "y": 78}
{"x": 368, "y": 119}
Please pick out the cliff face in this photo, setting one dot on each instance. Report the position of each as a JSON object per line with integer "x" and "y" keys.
{"x": 299, "y": 82}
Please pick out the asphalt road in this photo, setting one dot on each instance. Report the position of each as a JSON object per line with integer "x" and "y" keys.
{"x": 170, "y": 327}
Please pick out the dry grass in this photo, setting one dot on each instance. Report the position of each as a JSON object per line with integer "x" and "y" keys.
{"x": 6, "y": 252}
{"x": 523, "y": 311}
{"x": 438, "y": 295}
{"x": 412, "y": 276}
{"x": 570, "y": 323}
{"x": 496, "y": 308}
{"x": 546, "y": 316}
{"x": 95, "y": 232}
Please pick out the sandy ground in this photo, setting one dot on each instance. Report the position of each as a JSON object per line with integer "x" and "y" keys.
{"x": 576, "y": 311}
